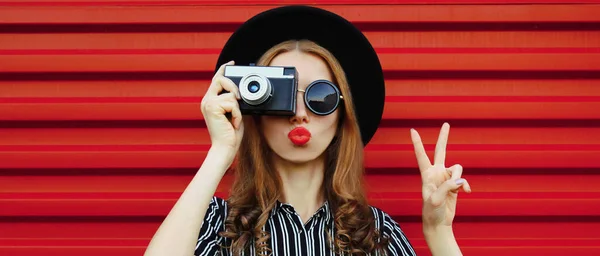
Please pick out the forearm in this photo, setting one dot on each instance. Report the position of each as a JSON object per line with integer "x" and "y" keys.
{"x": 441, "y": 241}
{"x": 178, "y": 233}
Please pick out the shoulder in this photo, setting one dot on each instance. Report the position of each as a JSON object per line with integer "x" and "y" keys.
{"x": 214, "y": 219}
{"x": 215, "y": 214}
{"x": 218, "y": 202}
{"x": 382, "y": 219}
{"x": 213, "y": 223}
{"x": 389, "y": 228}
{"x": 217, "y": 208}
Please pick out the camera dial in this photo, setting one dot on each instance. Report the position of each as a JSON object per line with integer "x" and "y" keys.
{"x": 255, "y": 89}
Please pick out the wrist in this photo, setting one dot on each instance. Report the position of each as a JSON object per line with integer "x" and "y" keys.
{"x": 437, "y": 231}
{"x": 440, "y": 240}
{"x": 220, "y": 157}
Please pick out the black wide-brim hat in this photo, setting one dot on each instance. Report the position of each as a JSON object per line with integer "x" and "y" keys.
{"x": 336, "y": 34}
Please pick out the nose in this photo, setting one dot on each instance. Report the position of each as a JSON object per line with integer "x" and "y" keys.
{"x": 301, "y": 115}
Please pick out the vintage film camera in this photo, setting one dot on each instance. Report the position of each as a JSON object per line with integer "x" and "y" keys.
{"x": 265, "y": 90}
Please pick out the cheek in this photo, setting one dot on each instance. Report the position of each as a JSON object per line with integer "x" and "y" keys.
{"x": 329, "y": 123}
{"x": 272, "y": 126}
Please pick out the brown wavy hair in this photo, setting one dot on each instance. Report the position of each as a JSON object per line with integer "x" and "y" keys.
{"x": 257, "y": 185}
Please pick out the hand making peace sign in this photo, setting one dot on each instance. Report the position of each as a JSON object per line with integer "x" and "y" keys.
{"x": 440, "y": 184}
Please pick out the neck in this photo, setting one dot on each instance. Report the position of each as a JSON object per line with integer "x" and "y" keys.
{"x": 302, "y": 185}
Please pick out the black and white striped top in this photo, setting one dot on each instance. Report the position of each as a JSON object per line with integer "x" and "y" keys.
{"x": 289, "y": 236}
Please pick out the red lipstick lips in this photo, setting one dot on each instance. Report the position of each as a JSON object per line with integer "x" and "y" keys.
{"x": 299, "y": 136}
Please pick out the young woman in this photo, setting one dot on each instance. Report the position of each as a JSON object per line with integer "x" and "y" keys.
{"x": 298, "y": 187}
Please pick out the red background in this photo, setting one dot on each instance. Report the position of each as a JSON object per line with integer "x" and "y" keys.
{"x": 100, "y": 128}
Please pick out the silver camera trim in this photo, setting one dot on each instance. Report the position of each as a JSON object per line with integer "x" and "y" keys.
{"x": 265, "y": 90}
{"x": 267, "y": 71}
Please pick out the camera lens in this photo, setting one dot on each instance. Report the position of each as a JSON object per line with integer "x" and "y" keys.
{"x": 253, "y": 86}
{"x": 255, "y": 89}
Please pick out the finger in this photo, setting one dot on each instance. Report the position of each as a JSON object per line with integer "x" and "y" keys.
{"x": 466, "y": 187}
{"x": 231, "y": 106}
{"x": 214, "y": 104}
{"x": 422, "y": 159}
{"x": 456, "y": 171}
{"x": 236, "y": 115}
{"x": 226, "y": 107}
{"x": 228, "y": 96}
{"x": 215, "y": 87}
{"x": 440, "y": 148}
{"x": 229, "y": 86}
{"x": 439, "y": 196}
{"x": 209, "y": 102}
{"x": 221, "y": 69}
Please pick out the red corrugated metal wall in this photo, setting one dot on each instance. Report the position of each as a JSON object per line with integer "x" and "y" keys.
{"x": 100, "y": 128}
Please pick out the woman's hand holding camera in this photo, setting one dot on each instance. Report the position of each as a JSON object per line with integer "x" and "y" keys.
{"x": 225, "y": 134}
{"x": 178, "y": 234}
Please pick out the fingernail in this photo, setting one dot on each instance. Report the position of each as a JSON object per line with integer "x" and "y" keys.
{"x": 460, "y": 181}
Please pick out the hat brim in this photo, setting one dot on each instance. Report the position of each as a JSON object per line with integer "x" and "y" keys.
{"x": 346, "y": 42}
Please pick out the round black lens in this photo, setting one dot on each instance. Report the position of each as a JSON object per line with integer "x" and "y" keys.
{"x": 253, "y": 86}
{"x": 322, "y": 98}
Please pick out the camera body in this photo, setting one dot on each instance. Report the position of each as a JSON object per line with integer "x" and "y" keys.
{"x": 265, "y": 90}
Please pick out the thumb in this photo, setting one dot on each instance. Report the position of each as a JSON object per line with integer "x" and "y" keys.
{"x": 450, "y": 186}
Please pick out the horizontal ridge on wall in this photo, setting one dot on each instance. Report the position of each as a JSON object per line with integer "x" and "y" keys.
{"x": 355, "y": 13}
{"x": 271, "y": 2}
{"x": 190, "y": 61}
